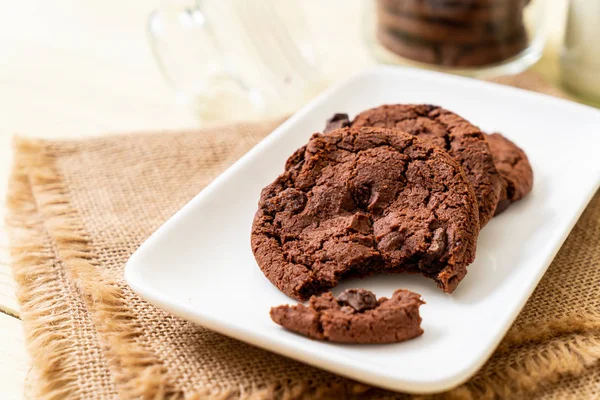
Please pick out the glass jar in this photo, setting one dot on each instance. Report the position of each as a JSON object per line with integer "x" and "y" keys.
{"x": 236, "y": 59}
{"x": 469, "y": 37}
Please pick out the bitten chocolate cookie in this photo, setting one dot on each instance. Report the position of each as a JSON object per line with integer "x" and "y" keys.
{"x": 449, "y": 132}
{"x": 356, "y": 316}
{"x": 358, "y": 201}
{"x": 514, "y": 167}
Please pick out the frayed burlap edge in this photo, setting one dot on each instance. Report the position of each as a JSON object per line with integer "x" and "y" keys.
{"x": 37, "y": 192}
{"x": 32, "y": 258}
{"x": 39, "y": 206}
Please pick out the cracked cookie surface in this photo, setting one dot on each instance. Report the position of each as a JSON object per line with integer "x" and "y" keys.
{"x": 356, "y": 316}
{"x": 450, "y": 132}
{"x": 358, "y": 201}
{"x": 514, "y": 167}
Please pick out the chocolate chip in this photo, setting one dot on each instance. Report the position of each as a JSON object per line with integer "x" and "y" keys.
{"x": 438, "y": 243}
{"x": 361, "y": 194}
{"x": 429, "y": 262}
{"x": 359, "y": 299}
{"x": 338, "y": 121}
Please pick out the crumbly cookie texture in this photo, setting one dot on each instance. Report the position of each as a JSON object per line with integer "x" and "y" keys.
{"x": 452, "y": 133}
{"x": 358, "y": 201}
{"x": 356, "y": 316}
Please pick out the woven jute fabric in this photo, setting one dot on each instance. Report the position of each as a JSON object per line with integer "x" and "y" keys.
{"x": 79, "y": 209}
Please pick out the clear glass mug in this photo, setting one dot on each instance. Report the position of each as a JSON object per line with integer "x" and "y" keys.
{"x": 469, "y": 37}
{"x": 236, "y": 59}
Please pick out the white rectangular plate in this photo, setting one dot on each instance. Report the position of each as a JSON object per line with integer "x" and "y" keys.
{"x": 203, "y": 252}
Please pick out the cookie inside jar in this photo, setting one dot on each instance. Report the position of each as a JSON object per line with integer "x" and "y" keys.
{"x": 453, "y": 33}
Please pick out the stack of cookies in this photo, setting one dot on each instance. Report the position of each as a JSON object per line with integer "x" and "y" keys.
{"x": 457, "y": 33}
{"x": 399, "y": 189}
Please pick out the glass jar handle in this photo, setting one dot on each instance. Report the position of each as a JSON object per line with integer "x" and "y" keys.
{"x": 191, "y": 61}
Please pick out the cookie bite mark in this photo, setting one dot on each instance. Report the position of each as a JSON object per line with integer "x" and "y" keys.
{"x": 449, "y": 132}
{"x": 363, "y": 201}
{"x": 355, "y": 316}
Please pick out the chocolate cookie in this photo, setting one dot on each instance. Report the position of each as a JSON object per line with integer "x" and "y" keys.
{"x": 447, "y": 131}
{"x": 451, "y": 54}
{"x": 356, "y": 316}
{"x": 457, "y": 11}
{"x": 439, "y": 31}
{"x": 484, "y": 54}
{"x": 514, "y": 167}
{"x": 357, "y": 201}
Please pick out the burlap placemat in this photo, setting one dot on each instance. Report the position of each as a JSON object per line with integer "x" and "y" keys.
{"x": 78, "y": 210}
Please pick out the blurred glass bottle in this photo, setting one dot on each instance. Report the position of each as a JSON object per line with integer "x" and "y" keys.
{"x": 236, "y": 59}
{"x": 580, "y": 58}
{"x": 470, "y": 37}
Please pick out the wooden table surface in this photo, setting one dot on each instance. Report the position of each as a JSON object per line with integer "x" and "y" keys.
{"x": 75, "y": 69}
